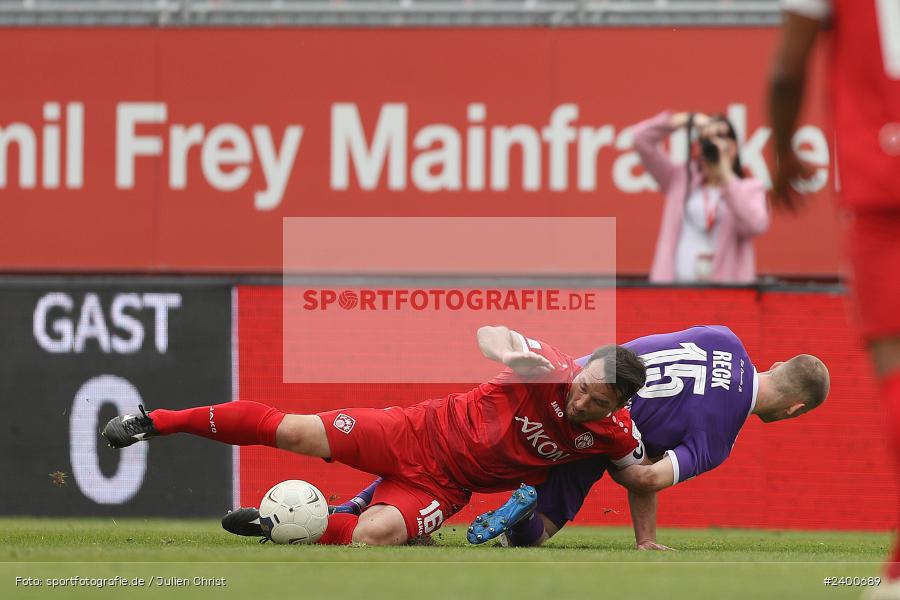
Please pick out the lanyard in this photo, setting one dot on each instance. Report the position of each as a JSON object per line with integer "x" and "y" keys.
{"x": 709, "y": 208}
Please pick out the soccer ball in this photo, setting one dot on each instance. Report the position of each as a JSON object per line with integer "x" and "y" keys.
{"x": 293, "y": 512}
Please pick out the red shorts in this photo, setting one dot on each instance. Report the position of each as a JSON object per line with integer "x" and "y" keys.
{"x": 873, "y": 246}
{"x": 393, "y": 443}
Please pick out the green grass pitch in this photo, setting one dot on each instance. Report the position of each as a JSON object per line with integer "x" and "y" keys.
{"x": 581, "y": 562}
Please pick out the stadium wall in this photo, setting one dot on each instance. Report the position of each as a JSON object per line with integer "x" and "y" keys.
{"x": 827, "y": 470}
{"x": 183, "y": 149}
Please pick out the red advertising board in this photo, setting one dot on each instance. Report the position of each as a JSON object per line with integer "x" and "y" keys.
{"x": 825, "y": 470}
{"x": 183, "y": 149}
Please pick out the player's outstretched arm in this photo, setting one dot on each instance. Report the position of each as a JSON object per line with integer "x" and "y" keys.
{"x": 785, "y": 99}
{"x": 503, "y": 345}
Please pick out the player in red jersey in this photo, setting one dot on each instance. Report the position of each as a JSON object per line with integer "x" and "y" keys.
{"x": 865, "y": 104}
{"x": 542, "y": 410}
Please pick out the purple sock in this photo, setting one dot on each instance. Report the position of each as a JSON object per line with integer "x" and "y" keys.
{"x": 526, "y": 532}
{"x": 360, "y": 501}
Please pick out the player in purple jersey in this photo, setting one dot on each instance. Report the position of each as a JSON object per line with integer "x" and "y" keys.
{"x": 701, "y": 388}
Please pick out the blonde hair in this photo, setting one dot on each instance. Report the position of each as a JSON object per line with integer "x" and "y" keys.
{"x": 803, "y": 379}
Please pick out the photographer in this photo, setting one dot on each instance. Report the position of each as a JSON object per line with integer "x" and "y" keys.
{"x": 712, "y": 211}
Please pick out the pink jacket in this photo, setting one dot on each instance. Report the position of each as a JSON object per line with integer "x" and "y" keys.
{"x": 745, "y": 216}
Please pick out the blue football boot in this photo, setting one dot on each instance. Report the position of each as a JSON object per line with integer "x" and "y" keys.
{"x": 494, "y": 523}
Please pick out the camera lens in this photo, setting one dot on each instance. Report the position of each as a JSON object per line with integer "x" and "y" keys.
{"x": 709, "y": 151}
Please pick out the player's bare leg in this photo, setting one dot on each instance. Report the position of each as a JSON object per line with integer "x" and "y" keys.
{"x": 303, "y": 434}
{"x": 381, "y": 525}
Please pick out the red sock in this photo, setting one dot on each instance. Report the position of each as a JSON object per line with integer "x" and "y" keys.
{"x": 890, "y": 393}
{"x": 239, "y": 423}
{"x": 340, "y": 529}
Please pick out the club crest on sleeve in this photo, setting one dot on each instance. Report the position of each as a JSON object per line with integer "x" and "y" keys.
{"x": 585, "y": 440}
{"x": 344, "y": 422}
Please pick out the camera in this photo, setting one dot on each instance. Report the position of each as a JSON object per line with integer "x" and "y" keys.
{"x": 709, "y": 151}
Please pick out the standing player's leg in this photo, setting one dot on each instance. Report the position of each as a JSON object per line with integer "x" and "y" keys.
{"x": 886, "y": 357}
{"x": 874, "y": 250}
